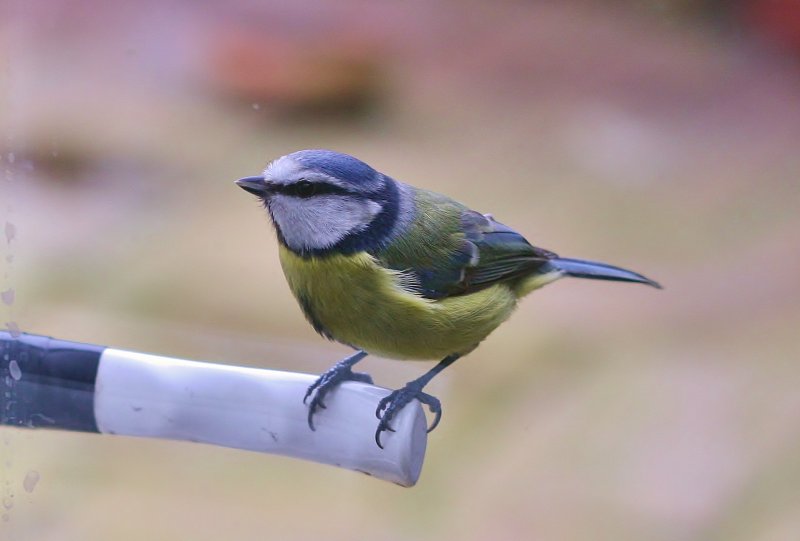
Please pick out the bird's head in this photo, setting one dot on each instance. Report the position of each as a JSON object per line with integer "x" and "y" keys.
{"x": 322, "y": 201}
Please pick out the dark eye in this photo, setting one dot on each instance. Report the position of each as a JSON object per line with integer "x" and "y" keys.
{"x": 305, "y": 188}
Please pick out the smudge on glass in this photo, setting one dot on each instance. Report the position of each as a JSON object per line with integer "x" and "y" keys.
{"x": 8, "y": 296}
{"x": 10, "y": 231}
{"x": 14, "y": 370}
{"x": 30, "y": 481}
{"x": 13, "y": 328}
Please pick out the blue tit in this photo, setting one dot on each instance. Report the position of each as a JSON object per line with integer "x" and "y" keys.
{"x": 398, "y": 271}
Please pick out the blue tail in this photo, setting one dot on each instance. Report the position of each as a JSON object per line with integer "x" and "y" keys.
{"x": 581, "y": 268}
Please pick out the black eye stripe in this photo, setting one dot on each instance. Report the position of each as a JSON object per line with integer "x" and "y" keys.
{"x": 306, "y": 188}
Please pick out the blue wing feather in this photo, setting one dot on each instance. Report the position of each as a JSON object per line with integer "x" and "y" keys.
{"x": 453, "y": 250}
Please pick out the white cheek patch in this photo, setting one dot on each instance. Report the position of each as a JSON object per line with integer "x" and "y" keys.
{"x": 321, "y": 221}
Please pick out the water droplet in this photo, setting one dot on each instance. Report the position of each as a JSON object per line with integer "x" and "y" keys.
{"x": 14, "y": 329}
{"x": 11, "y": 232}
{"x": 15, "y": 370}
{"x": 256, "y": 106}
{"x": 8, "y": 296}
{"x": 8, "y": 503}
{"x": 30, "y": 481}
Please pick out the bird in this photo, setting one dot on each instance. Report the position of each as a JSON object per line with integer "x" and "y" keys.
{"x": 397, "y": 271}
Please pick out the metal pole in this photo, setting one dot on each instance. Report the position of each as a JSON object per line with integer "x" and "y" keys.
{"x": 56, "y": 384}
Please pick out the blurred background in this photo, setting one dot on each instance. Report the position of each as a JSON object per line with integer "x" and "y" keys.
{"x": 660, "y": 135}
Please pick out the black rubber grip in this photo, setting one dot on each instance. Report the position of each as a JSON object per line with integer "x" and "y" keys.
{"x": 47, "y": 383}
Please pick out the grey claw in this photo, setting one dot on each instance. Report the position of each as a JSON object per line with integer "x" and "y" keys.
{"x": 325, "y": 384}
{"x": 396, "y": 401}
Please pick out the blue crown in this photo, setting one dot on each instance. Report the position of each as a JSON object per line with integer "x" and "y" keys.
{"x": 336, "y": 164}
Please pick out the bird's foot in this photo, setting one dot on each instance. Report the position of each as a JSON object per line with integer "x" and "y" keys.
{"x": 327, "y": 382}
{"x": 392, "y": 403}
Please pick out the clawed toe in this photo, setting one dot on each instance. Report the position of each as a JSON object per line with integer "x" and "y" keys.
{"x": 391, "y": 404}
{"x": 315, "y": 404}
{"x": 330, "y": 380}
{"x": 435, "y": 406}
{"x": 311, "y": 389}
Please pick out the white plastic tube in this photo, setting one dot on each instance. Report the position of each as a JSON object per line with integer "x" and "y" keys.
{"x": 152, "y": 396}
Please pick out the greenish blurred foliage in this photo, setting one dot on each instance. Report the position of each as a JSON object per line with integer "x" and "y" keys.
{"x": 661, "y": 136}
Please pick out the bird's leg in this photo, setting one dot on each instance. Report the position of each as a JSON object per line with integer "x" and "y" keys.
{"x": 337, "y": 374}
{"x": 397, "y": 400}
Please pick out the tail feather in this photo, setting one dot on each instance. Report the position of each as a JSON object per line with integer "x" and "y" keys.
{"x": 581, "y": 268}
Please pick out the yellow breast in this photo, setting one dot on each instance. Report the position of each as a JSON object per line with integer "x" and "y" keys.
{"x": 360, "y": 303}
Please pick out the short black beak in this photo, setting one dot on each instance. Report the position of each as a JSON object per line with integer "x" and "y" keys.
{"x": 254, "y": 185}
